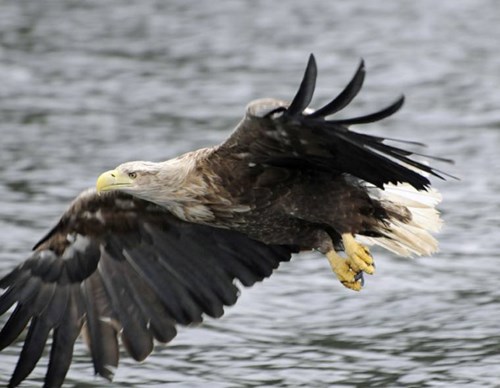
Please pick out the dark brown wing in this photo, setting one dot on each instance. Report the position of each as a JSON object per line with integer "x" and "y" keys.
{"x": 275, "y": 133}
{"x": 119, "y": 265}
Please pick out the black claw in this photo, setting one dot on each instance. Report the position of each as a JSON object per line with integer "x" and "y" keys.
{"x": 359, "y": 276}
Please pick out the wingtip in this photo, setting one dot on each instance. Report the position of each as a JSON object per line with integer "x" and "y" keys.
{"x": 362, "y": 65}
{"x": 346, "y": 96}
{"x": 401, "y": 100}
{"x": 306, "y": 89}
{"x": 311, "y": 61}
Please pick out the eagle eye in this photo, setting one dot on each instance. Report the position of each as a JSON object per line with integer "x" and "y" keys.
{"x": 132, "y": 175}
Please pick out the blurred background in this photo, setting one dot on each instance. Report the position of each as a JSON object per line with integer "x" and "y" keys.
{"x": 86, "y": 85}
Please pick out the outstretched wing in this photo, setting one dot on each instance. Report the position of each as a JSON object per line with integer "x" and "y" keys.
{"x": 115, "y": 265}
{"x": 277, "y": 133}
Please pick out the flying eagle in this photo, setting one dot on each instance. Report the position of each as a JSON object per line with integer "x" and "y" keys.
{"x": 161, "y": 244}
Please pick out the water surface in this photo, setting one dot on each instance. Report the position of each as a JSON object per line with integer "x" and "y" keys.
{"x": 87, "y": 85}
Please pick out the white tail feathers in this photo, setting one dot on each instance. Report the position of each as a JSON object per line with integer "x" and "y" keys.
{"x": 412, "y": 237}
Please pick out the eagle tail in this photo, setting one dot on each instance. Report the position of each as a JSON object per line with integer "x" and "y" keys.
{"x": 412, "y": 218}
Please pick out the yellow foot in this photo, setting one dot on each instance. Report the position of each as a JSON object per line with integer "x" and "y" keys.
{"x": 358, "y": 256}
{"x": 349, "y": 270}
{"x": 345, "y": 274}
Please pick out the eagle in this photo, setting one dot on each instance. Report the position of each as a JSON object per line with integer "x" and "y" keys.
{"x": 156, "y": 245}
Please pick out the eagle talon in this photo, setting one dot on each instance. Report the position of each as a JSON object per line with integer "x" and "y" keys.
{"x": 359, "y": 277}
{"x": 358, "y": 256}
{"x": 347, "y": 276}
{"x": 350, "y": 269}
{"x": 355, "y": 286}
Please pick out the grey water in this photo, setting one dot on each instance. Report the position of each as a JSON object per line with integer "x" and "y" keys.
{"x": 85, "y": 85}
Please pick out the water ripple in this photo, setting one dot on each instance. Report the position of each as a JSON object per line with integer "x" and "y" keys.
{"x": 113, "y": 80}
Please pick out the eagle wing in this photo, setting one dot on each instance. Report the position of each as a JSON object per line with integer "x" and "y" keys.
{"x": 290, "y": 135}
{"x": 115, "y": 264}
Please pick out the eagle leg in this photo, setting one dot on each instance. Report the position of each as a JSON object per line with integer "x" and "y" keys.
{"x": 349, "y": 270}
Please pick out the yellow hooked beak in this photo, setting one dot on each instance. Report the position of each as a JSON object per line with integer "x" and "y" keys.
{"x": 112, "y": 180}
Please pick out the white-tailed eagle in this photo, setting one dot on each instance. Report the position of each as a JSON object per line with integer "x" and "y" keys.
{"x": 161, "y": 244}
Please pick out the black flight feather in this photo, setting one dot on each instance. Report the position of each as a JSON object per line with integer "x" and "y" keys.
{"x": 64, "y": 338}
{"x": 345, "y": 97}
{"x": 32, "y": 350}
{"x": 373, "y": 117}
{"x": 101, "y": 334}
{"x": 306, "y": 90}
{"x": 15, "y": 325}
{"x": 137, "y": 339}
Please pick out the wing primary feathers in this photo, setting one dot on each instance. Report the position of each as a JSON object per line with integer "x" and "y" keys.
{"x": 174, "y": 297}
{"x": 161, "y": 324}
{"x": 192, "y": 272}
{"x": 135, "y": 335}
{"x": 376, "y": 168}
{"x": 14, "y": 325}
{"x": 16, "y": 275}
{"x": 377, "y": 143}
{"x": 401, "y": 155}
{"x": 402, "y": 141}
{"x": 39, "y": 330}
{"x": 398, "y": 153}
{"x": 306, "y": 90}
{"x": 65, "y": 335}
{"x": 295, "y": 140}
{"x": 102, "y": 335}
{"x": 345, "y": 97}
{"x": 32, "y": 350}
{"x": 377, "y": 116}
{"x": 23, "y": 290}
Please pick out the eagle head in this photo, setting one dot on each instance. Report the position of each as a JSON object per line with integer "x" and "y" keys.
{"x": 130, "y": 177}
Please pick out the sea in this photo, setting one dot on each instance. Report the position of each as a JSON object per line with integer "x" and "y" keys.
{"x": 86, "y": 85}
